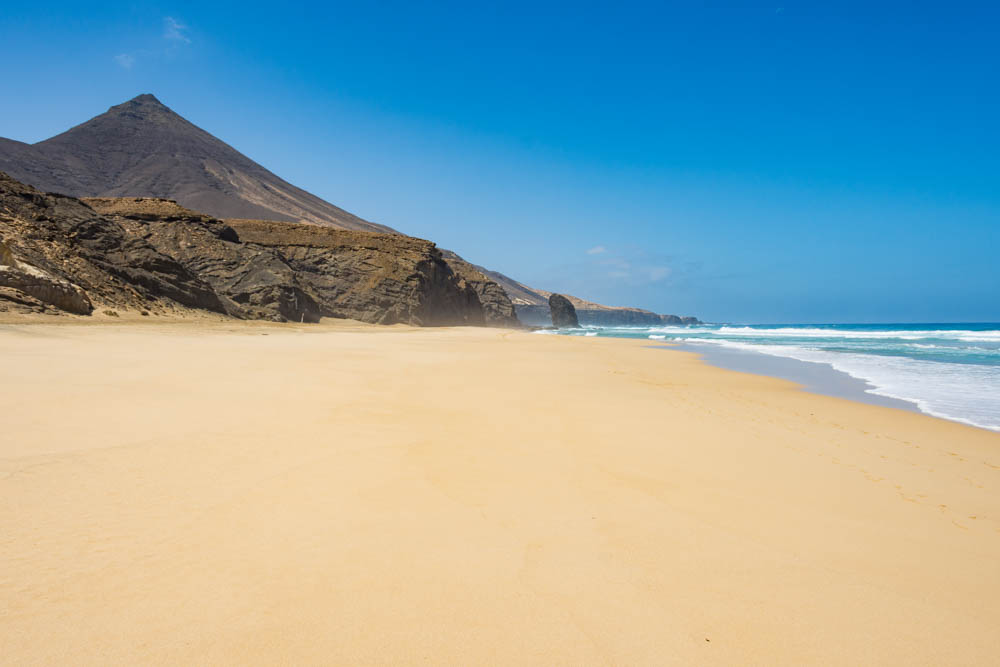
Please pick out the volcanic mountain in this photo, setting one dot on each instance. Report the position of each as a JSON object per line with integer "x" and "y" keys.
{"x": 142, "y": 148}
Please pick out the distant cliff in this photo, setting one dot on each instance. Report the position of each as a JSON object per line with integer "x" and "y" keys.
{"x": 532, "y": 306}
{"x": 533, "y": 315}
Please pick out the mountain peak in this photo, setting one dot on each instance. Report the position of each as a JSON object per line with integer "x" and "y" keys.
{"x": 142, "y": 148}
{"x": 141, "y": 104}
{"x": 146, "y": 98}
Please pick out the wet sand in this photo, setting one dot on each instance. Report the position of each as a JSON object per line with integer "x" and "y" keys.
{"x": 812, "y": 376}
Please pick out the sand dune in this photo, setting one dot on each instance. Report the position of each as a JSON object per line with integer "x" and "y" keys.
{"x": 219, "y": 493}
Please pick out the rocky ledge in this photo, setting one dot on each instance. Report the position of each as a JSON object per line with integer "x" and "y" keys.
{"x": 59, "y": 253}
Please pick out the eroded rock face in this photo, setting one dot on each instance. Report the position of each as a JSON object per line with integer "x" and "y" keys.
{"x": 22, "y": 279}
{"x": 378, "y": 278}
{"x": 498, "y": 310}
{"x": 291, "y": 271}
{"x": 563, "y": 312}
{"x": 251, "y": 282}
{"x": 62, "y": 253}
{"x": 146, "y": 253}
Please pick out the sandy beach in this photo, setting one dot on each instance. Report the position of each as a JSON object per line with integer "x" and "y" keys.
{"x": 246, "y": 493}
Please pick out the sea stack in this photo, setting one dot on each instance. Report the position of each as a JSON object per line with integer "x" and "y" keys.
{"x": 563, "y": 313}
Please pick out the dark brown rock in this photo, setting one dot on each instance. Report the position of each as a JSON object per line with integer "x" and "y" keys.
{"x": 378, "y": 278}
{"x": 287, "y": 271}
{"x": 251, "y": 282}
{"x": 562, "y": 311}
{"x": 61, "y": 252}
{"x": 498, "y": 310}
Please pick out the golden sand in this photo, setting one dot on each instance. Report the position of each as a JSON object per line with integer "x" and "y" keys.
{"x": 218, "y": 493}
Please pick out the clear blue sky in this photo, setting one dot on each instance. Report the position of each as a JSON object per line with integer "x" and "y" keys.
{"x": 755, "y": 163}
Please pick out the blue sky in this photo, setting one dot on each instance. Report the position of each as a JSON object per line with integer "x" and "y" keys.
{"x": 747, "y": 163}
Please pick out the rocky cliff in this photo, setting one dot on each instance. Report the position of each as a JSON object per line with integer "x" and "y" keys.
{"x": 61, "y": 253}
{"x": 604, "y": 316}
{"x": 289, "y": 271}
{"x": 251, "y": 282}
{"x": 379, "y": 278}
{"x": 498, "y": 309}
{"x": 532, "y": 307}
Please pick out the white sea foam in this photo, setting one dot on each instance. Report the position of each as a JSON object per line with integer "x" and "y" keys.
{"x": 809, "y": 332}
{"x": 981, "y": 337}
{"x": 959, "y": 349}
{"x": 674, "y": 330}
{"x": 656, "y": 337}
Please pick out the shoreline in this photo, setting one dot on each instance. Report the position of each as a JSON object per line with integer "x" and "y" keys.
{"x": 814, "y": 376}
{"x": 819, "y": 377}
{"x": 228, "y": 491}
{"x": 949, "y": 371}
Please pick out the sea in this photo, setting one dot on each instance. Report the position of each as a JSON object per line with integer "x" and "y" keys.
{"x": 950, "y": 371}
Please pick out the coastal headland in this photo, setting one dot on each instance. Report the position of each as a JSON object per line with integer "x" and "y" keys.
{"x": 211, "y": 491}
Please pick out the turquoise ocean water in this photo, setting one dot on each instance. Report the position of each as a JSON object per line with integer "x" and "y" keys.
{"x": 946, "y": 370}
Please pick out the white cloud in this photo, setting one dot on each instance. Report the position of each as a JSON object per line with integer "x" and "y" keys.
{"x": 657, "y": 273}
{"x": 629, "y": 265}
{"x": 174, "y": 30}
{"x": 174, "y": 38}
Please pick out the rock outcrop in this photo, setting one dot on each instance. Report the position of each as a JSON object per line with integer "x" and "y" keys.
{"x": 20, "y": 278}
{"x": 251, "y": 281}
{"x": 264, "y": 269}
{"x": 498, "y": 310}
{"x": 372, "y": 277}
{"x": 562, "y": 312}
{"x": 60, "y": 253}
{"x": 152, "y": 254}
